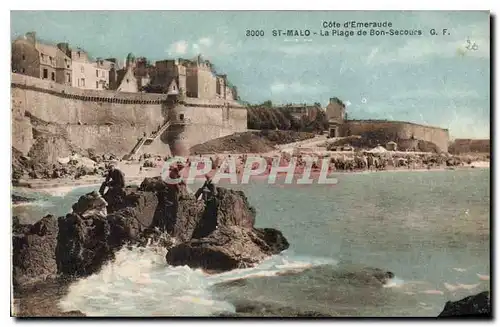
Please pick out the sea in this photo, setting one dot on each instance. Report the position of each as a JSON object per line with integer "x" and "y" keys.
{"x": 430, "y": 228}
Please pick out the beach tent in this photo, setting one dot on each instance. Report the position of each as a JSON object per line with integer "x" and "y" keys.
{"x": 378, "y": 149}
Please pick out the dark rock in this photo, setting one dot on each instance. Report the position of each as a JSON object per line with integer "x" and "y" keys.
{"x": 82, "y": 244}
{"x": 474, "y": 306}
{"x": 90, "y": 204}
{"x": 178, "y": 214}
{"x": 89, "y": 238}
{"x": 33, "y": 250}
{"x": 233, "y": 209}
{"x": 91, "y": 154}
{"x": 227, "y": 248}
{"x": 260, "y": 309}
{"x": 182, "y": 221}
{"x": 116, "y": 199}
{"x": 18, "y": 228}
{"x": 20, "y": 199}
{"x": 154, "y": 236}
{"x": 362, "y": 275}
{"x": 153, "y": 184}
{"x": 40, "y": 299}
{"x": 274, "y": 239}
{"x": 229, "y": 208}
{"x": 224, "y": 237}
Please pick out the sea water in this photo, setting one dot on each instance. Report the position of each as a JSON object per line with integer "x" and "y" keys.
{"x": 431, "y": 229}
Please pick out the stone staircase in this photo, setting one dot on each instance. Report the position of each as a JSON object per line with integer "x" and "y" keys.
{"x": 147, "y": 140}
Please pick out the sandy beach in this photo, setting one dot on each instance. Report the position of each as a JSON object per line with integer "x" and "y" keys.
{"x": 134, "y": 176}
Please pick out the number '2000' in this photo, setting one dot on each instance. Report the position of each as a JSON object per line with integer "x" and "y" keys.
{"x": 255, "y": 33}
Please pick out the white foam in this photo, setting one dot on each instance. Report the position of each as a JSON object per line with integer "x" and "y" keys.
{"x": 394, "y": 282}
{"x": 61, "y": 191}
{"x": 483, "y": 277}
{"x": 37, "y": 203}
{"x": 139, "y": 283}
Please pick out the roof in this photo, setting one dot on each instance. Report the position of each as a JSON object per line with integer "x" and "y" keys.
{"x": 49, "y": 50}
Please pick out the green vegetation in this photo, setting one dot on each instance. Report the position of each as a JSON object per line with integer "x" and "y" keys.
{"x": 266, "y": 116}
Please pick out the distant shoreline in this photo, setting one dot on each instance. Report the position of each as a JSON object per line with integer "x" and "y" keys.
{"x": 62, "y": 185}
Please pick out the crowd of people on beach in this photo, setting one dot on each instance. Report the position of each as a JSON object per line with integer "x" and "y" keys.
{"x": 357, "y": 161}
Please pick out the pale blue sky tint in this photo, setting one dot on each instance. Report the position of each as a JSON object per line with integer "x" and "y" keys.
{"x": 424, "y": 79}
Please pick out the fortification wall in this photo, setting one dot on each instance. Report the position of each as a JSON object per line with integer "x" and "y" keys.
{"x": 403, "y": 130}
{"x": 209, "y": 119}
{"x": 111, "y": 121}
{"x": 117, "y": 139}
{"x": 61, "y": 104}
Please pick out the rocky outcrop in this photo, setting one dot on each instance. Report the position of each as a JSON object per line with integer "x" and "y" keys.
{"x": 361, "y": 275}
{"x": 89, "y": 236}
{"x": 16, "y": 199}
{"x": 227, "y": 248}
{"x": 218, "y": 236}
{"x": 259, "y": 309}
{"x": 474, "y": 306}
{"x": 225, "y": 238}
{"x": 33, "y": 250}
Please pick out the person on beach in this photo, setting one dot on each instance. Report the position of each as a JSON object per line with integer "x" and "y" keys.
{"x": 176, "y": 187}
{"x": 114, "y": 180}
{"x": 208, "y": 191}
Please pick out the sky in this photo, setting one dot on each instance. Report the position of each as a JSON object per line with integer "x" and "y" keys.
{"x": 426, "y": 79}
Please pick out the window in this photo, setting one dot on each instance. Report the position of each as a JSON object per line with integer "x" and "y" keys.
{"x": 82, "y": 69}
{"x": 96, "y": 73}
{"x": 45, "y": 73}
{"x": 127, "y": 80}
{"x": 68, "y": 77}
{"x": 83, "y": 81}
{"x": 22, "y": 70}
{"x": 96, "y": 85}
{"x": 24, "y": 57}
{"x": 53, "y": 76}
{"x": 181, "y": 117}
{"x": 50, "y": 58}
{"x": 43, "y": 56}
{"x": 102, "y": 74}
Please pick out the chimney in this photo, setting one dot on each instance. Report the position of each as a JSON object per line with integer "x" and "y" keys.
{"x": 64, "y": 47}
{"x": 31, "y": 37}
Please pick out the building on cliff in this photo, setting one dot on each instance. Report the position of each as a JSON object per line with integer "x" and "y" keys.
{"x": 59, "y": 63}
{"x": 335, "y": 113}
{"x": 89, "y": 74}
{"x": 395, "y": 131}
{"x": 34, "y": 58}
{"x": 134, "y": 76}
{"x": 300, "y": 110}
{"x": 192, "y": 78}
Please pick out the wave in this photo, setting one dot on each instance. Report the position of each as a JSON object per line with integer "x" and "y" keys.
{"x": 139, "y": 283}
{"x": 62, "y": 191}
{"x": 37, "y": 203}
